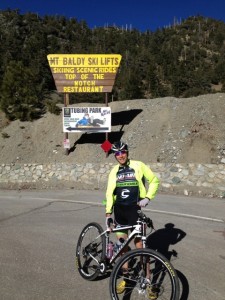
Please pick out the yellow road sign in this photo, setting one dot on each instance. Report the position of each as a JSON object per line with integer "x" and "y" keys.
{"x": 84, "y": 73}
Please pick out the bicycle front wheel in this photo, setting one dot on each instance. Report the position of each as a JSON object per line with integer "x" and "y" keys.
{"x": 144, "y": 274}
{"x": 90, "y": 251}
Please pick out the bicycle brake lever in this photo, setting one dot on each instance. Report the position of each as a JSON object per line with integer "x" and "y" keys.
{"x": 146, "y": 219}
{"x": 141, "y": 214}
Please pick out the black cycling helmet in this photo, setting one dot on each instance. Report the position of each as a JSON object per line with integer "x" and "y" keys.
{"x": 119, "y": 146}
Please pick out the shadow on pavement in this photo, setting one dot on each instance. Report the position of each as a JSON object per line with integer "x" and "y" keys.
{"x": 161, "y": 240}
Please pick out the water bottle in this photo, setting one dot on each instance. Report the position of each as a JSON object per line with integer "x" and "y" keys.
{"x": 110, "y": 247}
{"x": 118, "y": 244}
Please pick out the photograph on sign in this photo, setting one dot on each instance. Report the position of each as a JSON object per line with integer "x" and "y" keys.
{"x": 87, "y": 119}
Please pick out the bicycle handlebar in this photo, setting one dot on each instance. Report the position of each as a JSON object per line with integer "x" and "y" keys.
{"x": 141, "y": 216}
{"x": 144, "y": 218}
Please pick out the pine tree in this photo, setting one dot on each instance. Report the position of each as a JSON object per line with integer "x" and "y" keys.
{"x": 19, "y": 93}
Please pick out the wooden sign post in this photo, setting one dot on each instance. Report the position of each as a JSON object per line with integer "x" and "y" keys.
{"x": 84, "y": 73}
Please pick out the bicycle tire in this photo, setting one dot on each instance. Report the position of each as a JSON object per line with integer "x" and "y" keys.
{"x": 161, "y": 282}
{"x": 90, "y": 245}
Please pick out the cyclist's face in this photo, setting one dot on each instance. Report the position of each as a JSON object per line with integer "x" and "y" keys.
{"x": 121, "y": 157}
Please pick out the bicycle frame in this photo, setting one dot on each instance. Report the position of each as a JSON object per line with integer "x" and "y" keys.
{"x": 144, "y": 270}
{"x": 138, "y": 230}
{"x": 102, "y": 261}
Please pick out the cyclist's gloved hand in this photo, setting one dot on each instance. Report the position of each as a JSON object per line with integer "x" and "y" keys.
{"x": 144, "y": 202}
{"x": 108, "y": 222}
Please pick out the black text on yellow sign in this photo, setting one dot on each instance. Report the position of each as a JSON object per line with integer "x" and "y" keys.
{"x": 84, "y": 73}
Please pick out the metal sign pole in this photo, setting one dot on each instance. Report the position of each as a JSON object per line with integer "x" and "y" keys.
{"x": 106, "y": 134}
{"x": 66, "y": 103}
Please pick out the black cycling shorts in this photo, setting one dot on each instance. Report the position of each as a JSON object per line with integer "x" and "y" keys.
{"x": 126, "y": 214}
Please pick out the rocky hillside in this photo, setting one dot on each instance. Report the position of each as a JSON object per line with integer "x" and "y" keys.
{"x": 190, "y": 130}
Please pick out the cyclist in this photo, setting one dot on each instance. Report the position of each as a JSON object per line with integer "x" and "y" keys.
{"x": 126, "y": 191}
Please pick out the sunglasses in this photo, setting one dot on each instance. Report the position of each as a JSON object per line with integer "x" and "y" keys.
{"x": 118, "y": 153}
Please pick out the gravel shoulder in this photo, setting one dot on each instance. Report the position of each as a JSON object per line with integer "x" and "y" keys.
{"x": 165, "y": 130}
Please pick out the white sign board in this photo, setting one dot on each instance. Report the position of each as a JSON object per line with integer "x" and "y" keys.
{"x": 88, "y": 119}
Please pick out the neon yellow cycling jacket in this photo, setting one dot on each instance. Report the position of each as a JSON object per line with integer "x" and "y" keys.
{"x": 141, "y": 170}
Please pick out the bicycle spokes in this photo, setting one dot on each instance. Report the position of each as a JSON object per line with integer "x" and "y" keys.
{"x": 148, "y": 276}
{"x": 90, "y": 251}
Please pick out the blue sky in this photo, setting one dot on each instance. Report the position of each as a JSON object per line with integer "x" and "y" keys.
{"x": 142, "y": 14}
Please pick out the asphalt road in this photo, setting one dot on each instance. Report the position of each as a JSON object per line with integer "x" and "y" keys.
{"x": 39, "y": 232}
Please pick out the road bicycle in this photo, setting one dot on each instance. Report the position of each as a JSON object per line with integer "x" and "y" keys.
{"x": 144, "y": 273}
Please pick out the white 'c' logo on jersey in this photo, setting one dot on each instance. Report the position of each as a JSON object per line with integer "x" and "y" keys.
{"x": 125, "y": 193}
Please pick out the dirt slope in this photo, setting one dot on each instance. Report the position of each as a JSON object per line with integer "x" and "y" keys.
{"x": 157, "y": 130}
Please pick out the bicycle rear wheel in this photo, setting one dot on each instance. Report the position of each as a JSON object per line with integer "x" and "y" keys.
{"x": 144, "y": 274}
{"x": 90, "y": 251}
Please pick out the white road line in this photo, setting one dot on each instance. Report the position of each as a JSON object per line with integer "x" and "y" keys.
{"x": 186, "y": 215}
{"x": 100, "y": 204}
